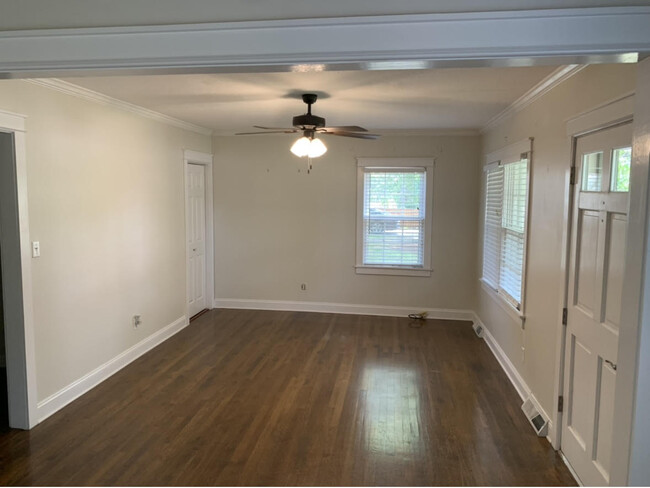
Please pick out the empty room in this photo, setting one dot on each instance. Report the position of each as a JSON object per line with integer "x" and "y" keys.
{"x": 324, "y": 244}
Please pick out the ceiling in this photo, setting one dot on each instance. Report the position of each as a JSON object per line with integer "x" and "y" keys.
{"x": 439, "y": 99}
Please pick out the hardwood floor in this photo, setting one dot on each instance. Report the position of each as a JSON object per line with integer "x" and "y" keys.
{"x": 286, "y": 398}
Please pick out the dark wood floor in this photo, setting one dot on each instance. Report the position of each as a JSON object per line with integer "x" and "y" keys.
{"x": 284, "y": 398}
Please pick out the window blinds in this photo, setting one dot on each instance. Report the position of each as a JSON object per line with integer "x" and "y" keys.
{"x": 505, "y": 229}
{"x": 394, "y": 216}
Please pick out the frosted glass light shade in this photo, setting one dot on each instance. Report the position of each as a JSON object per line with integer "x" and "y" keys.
{"x": 308, "y": 147}
{"x": 316, "y": 148}
{"x": 301, "y": 147}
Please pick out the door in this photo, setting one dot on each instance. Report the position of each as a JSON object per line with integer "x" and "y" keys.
{"x": 594, "y": 301}
{"x": 195, "y": 217}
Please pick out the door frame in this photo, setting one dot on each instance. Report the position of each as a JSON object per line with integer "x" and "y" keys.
{"x": 205, "y": 160}
{"x": 606, "y": 116}
{"x": 17, "y": 280}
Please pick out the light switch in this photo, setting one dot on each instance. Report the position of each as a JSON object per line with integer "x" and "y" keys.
{"x": 36, "y": 249}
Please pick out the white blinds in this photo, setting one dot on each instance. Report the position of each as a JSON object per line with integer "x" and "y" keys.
{"x": 505, "y": 229}
{"x": 492, "y": 228}
{"x": 394, "y": 216}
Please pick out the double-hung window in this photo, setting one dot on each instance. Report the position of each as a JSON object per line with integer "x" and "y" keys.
{"x": 394, "y": 201}
{"x": 504, "y": 235}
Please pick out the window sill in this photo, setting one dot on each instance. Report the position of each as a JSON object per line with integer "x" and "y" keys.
{"x": 393, "y": 271}
{"x": 506, "y": 306}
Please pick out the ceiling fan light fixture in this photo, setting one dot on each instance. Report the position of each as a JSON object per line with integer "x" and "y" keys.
{"x": 301, "y": 147}
{"x": 316, "y": 148}
{"x": 305, "y": 146}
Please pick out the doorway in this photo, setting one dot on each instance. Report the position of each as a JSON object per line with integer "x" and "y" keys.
{"x": 595, "y": 291}
{"x": 4, "y": 396}
{"x": 199, "y": 232}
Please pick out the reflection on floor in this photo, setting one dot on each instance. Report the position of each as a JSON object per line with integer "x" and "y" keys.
{"x": 287, "y": 398}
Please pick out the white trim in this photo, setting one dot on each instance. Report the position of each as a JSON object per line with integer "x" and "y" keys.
{"x": 428, "y": 164}
{"x": 74, "y": 390}
{"x": 395, "y": 162}
{"x": 510, "y": 153}
{"x": 582, "y": 35}
{"x": 342, "y": 308}
{"x": 17, "y": 279}
{"x": 608, "y": 114}
{"x": 392, "y": 270}
{"x": 500, "y": 300}
{"x": 206, "y": 160}
{"x": 520, "y": 385}
{"x": 570, "y": 468}
{"x": 556, "y": 78}
{"x": 12, "y": 122}
{"x": 96, "y": 97}
{"x": 511, "y": 371}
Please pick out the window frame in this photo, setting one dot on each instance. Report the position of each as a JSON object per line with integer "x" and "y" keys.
{"x": 508, "y": 155}
{"x": 383, "y": 163}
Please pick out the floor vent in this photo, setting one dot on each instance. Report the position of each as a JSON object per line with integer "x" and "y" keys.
{"x": 478, "y": 328}
{"x": 539, "y": 423}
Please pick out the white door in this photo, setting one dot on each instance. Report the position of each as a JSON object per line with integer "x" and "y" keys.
{"x": 195, "y": 218}
{"x": 594, "y": 304}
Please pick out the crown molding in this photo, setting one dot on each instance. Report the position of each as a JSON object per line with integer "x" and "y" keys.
{"x": 93, "y": 96}
{"x": 421, "y": 41}
{"x": 556, "y": 78}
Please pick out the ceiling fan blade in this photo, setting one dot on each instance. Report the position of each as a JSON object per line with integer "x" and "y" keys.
{"x": 352, "y": 134}
{"x": 273, "y": 128}
{"x": 347, "y": 128}
{"x": 267, "y": 132}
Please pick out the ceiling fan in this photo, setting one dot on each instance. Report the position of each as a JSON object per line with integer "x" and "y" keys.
{"x": 310, "y": 125}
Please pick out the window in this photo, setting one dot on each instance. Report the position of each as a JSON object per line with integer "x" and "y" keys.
{"x": 504, "y": 239}
{"x": 394, "y": 216}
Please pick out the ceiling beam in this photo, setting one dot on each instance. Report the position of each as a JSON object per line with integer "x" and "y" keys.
{"x": 511, "y": 38}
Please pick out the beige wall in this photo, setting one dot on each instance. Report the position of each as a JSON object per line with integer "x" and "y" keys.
{"x": 277, "y": 226}
{"x": 545, "y": 121}
{"x": 106, "y": 202}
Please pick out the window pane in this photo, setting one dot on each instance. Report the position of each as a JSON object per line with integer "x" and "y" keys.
{"x": 515, "y": 196}
{"x": 393, "y": 218}
{"x": 621, "y": 159}
{"x": 592, "y": 171}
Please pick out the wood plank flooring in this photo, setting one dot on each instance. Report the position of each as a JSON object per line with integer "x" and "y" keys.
{"x": 287, "y": 398}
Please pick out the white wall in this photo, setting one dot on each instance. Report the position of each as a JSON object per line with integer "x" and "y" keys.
{"x": 545, "y": 121}
{"x": 277, "y": 226}
{"x": 106, "y": 202}
{"x": 46, "y": 14}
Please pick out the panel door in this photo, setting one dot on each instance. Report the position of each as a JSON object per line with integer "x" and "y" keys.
{"x": 196, "y": 224}
{"x": 594, "y": 304}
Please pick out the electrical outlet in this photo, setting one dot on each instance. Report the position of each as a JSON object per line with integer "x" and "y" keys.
{"x": 137, "y": 320}
{"x": 303, "y": 287}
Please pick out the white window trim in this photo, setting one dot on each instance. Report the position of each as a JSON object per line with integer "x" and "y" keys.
{"x": 510, "y": 154}
{"x": 428, "y": 165}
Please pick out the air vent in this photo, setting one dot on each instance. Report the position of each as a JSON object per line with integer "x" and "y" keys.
{"x": 478, "y": 328}
{"x": 536, "y": 419}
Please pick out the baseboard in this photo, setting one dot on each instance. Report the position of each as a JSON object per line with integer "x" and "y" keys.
{"x": 74, "y": 390}
{"x": 343, "y": 308}
{"x": 513, "y": 375}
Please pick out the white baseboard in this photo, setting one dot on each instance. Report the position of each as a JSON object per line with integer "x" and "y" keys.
{"x": 74, "y": 390}
{"x": 513, "y": 375}
{"x": 509, "y": 368}
{"x": 344, "y": 308}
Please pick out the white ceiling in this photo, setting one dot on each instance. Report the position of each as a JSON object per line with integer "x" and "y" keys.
{"x": 459, "y": 98}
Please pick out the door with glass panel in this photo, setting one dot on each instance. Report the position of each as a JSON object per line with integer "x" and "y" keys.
{"x": 599, "y": 228}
